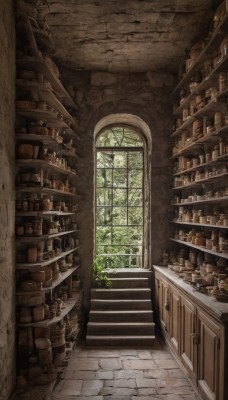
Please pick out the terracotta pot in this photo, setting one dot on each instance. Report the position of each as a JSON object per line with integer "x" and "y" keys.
{"x": 25, "y": 151}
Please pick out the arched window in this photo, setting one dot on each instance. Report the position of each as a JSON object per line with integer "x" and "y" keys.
{"x": 119, "y": 196}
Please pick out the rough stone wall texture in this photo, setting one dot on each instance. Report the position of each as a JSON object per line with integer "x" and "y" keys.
{"x": 98, "y": 95}
{"x": 7, "y": 133}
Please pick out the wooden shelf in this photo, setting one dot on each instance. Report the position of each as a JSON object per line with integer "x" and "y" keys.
{"x": 67, "y": 153}
{"x": 206, "y": 52}
{"x": 214, "y": 253}
{"x": 22, "y": 239}
{"x": 39, "y": 65}
{"x": 209, "y": 138}
{"x": 202, "y": 181}
{"x": 32, "y": 266}
{"x": 64, "y": 275}
{"x": 209, "y": 109}
{"x": 202, "y": 225}
{"x": 43, "y": 164}
{"x": 43, "y": 213}
{"x": 70, "y": 303}
{"x": 222, "y": 158}
{"x": 46, "y": 116}
{"x": 32, "y": 137}
{"x": 211, "y": 200}
{"x": 38, "y": 189}
{"x": 222, "y": 65}
{"x": 47, "y": 95}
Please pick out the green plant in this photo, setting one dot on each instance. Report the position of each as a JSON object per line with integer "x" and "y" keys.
{"x": 99, "y": 273}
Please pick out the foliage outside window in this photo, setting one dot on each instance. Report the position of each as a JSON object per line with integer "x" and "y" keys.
{"x": 119, "y": 197}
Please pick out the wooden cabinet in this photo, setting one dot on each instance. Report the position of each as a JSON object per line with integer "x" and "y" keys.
{"x": 189, "y": 336}
{"x": 210, "y": 358}
{"x": 196, "y": 330}
{"x": 174, "y": 318}
{"x": 163, "y": 303}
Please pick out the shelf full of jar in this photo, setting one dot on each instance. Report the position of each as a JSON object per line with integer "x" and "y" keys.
{"x": 194, "y": 143}
{"x": 208, "y": 225}
{"x": 62, "y": 277}
{"x": 199, "y": 165}
{"x": 209, "y": 109}
{"x": 45, "y": 94}
{"x": 203, "y": 249}
{"x": 219, "y": 176}
{"x": 39, "y": 65}
{"x": 208, "y": 80}
{"x": 201, "y": 200}
{"x": 45, "y": 190}
{"x": 206, "y": 52}
{"x": 48, "y": 117}
{"x": 57, "y": 165}
{"x": 69, "y": 303}
{"x": 44, "y": 263}
{"x": 47, "y": 140}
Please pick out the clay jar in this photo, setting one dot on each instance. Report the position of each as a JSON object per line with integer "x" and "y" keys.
{"x": 38, "y": 276}
{"x": 32, "y": 255}
{"x": 38, "y": 314}
{"x": 25, "y": 151}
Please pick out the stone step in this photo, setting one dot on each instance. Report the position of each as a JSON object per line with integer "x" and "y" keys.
{"x": 106, "y": 304}
{"x": 144, "y": 340}
{"x": 121, "y": 316}
{"x": 129, "y": 273}
{"x": 140, "y": 293}
{"x": 120, "y": 328}
{"x": 129, "y": 282}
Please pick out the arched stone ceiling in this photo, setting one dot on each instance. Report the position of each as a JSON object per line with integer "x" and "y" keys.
{"x": 126, "y": 35}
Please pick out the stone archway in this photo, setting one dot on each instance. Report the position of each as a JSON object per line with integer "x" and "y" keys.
{"x": 138, "y": 123}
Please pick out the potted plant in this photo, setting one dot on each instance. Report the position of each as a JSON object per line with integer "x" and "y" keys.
{"x": 99, "y": 273}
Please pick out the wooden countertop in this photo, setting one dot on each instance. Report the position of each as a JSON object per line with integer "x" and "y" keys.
{"x": 215, "y": 308}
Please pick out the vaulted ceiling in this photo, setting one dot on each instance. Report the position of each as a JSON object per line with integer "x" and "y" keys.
{"x": 126, "y": 35}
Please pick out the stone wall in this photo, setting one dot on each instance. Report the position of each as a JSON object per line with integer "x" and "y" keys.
{"x": 98, "y": 95}
{"x": 7, "y": 269}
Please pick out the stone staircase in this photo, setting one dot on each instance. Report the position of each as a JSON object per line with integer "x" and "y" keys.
{"x": 122, "y": 315}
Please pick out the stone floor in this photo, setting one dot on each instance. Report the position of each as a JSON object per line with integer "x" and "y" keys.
{"x": 121, "y": 373}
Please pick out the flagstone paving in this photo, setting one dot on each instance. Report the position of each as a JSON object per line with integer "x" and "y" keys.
{"x": 121, "y": 373}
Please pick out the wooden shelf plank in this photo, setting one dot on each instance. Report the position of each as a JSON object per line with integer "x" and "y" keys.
{"x": 215, "y": 253}
{"x": 70, "y": 303}
{"x": 39, "y": 65}
{"x": 43, "y": 237}
{"x": 44, "y": 164}
{"x": 202, "y": 181}
{"x": 211, "y": 200}
{"x": 64, "y": 275}
{"x": 42, "y": 213}
{"x": 198, "y": 224}
{"x": 36, "y": 189}
{"x": 40, "y": 264}
{"x": 220, "y": 159}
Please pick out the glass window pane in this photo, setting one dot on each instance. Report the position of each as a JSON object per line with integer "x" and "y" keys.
{"x": 119, "y": 216}
{"x": 135, "y": 159}
{"x": 103, "y": 235}
{"x": 135, "y": 179}
{"x": 104, "y": 177}
{"x": 105, "y": 159}
{"x": 135, "y": 216}
{"x": 120, "y": 159}
{"x": 120, "y": 178}
{"x": 120, "y": 235}
{"x": 120, "y": 197}
{"x": 104, "y": 197}
{"x": 135, "y": 197}
{"x": 104, "y": 216}
{"x": 135, "y": 235}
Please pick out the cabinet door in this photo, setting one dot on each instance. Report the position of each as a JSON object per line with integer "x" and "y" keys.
{"x": 189, "y": 337}
{"x": 162, "y": 299}
{"x": 210, "y": 374}
{"x": 174, "y": 324}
